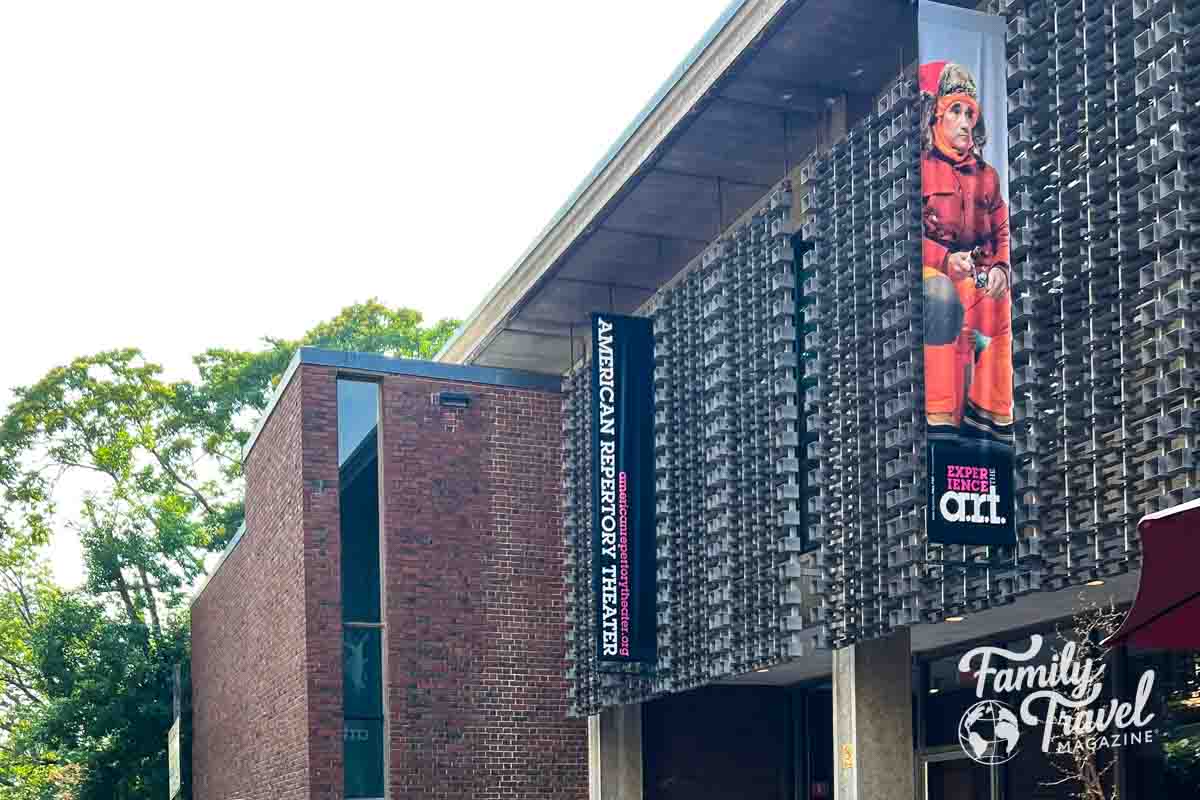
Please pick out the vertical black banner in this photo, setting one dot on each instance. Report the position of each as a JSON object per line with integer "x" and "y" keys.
{"x": 623, "y": 554}
{"x": 966, "y": 277}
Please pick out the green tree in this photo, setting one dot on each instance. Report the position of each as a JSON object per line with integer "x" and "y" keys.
{"x": 108, "y": 696}
{"x": 27, "y": 771}
{"x": 158, "y": 501}
{"x": 85, "y": 676}
{"x": 84, "y": 695}
{"x": 235, "y": 385}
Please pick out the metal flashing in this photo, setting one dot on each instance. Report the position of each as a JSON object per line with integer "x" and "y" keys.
{"x": 385, "y": 365}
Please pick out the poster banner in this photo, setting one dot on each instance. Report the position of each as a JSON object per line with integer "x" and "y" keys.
{"x": 623, "y": 536}
{"x": 966, "y": 276}
{"x": 174, "y": 760}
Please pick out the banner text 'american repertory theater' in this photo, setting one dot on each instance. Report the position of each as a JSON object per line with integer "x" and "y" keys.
{"x": 623, "y": 570}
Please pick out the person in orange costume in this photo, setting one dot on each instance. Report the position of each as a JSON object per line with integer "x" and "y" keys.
{"x": 965, "y": 265}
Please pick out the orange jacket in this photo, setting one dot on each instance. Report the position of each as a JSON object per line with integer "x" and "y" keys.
{"x": 964, "y": 209}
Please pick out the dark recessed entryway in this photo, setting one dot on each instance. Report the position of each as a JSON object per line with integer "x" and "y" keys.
{"x": 739, "y": 743}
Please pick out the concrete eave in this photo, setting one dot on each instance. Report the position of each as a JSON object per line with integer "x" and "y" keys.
{"x": 734, "y": 31}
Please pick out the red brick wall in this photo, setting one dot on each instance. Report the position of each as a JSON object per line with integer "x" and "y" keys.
{"x": 475, "y": 605}
{"x": 322, "y": 579}
{"x": 475, "y": 600}
{"x": 249, "y": 697}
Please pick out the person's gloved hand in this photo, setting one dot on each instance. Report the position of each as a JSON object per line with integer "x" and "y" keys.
{"x": 997, "y": 285}
{"x": 959, "y": 266}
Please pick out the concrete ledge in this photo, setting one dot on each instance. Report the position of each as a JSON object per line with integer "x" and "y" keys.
{"x": 615, "y": 769}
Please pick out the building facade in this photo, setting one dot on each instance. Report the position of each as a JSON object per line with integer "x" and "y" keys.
{"x": 389, "y": 623}
{"x": 394, "y": 620}
{"x": 765, "y": 213}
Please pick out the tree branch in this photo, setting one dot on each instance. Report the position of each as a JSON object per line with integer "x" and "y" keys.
{"x": 25, "y": 608}
{"x": 175, "y": 477}
{"x": 39, "y": 760}
{"x": 150, "y": 603}
{"x": 16, "y": 680}
{"x": 124, "y": 589}
{"x": 15, "y": 584}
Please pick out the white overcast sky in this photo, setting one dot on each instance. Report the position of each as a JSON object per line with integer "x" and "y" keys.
{"x": 176, "y": 176}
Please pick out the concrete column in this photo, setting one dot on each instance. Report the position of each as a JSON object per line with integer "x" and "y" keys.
{"x": 872, "y": 719}
{"x": 615, "y": 754}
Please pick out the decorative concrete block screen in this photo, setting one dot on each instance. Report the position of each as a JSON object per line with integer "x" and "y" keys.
{"x": 789, "y": 430}
{"x": 728, "y": 445}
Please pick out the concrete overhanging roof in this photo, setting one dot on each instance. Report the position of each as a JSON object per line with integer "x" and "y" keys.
{"x": 749, "y": 102}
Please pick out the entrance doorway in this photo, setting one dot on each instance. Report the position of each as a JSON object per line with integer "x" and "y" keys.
{"x": 740, "y": 743}
{"x": 718, "y": 743}
{"x": 953, "y": 776}
{"x": 812, "y": 714}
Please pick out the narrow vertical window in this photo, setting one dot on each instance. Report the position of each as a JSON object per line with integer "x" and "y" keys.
{"x": 362, "y": 637}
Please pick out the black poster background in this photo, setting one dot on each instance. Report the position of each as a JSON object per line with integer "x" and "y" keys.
{"x": 951, "y": 512}
{"x": 623, "y": 569}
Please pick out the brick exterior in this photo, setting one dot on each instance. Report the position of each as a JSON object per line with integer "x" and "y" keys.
{"x": 322, "y": 577}
{"x": 249, "y": 695}
{"x": 474, "y": 605}
{"x": 475, "y": 601}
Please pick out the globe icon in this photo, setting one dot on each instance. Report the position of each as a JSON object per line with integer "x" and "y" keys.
{"x": 989, "y": 733}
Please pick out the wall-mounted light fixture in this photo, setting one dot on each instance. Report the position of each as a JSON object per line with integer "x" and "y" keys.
{"x": 448, "y": 399}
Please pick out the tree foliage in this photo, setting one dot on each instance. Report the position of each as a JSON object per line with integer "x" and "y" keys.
{"x": 85, "y": 674}
{"x": 235, "y": 385}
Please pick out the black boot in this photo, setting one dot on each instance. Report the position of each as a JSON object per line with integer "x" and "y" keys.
{"x": 977, "y": 426}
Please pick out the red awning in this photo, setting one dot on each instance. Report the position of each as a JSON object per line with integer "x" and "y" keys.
{"x": 1166, "y": 612}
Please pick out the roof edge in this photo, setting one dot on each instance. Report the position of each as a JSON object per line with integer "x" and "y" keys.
{"x": 386, "y": 365}
{"x": 205, "y": 579}
{"x": 379, "y": 365}
{"x": 737, "y": 27}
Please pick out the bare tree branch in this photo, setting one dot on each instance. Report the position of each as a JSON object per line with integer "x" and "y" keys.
{"x": 1078, "y": 764}
{"x": 123, "y": 588}
{"x": 148, "y": 591}
{"x": 175, "y": 477}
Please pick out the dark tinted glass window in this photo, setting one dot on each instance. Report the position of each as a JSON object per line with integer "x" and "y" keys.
{"x": 359, "y": 506}
{"x": 362, "y": 673}
{"x": 960, "y": 779}
{"x": 1168, "y": 764}
{"x": 362, "y": 637}
{"x": 364, "y": 758}
{"x": 358, "y": 415}
{"x": 949, "y": 694}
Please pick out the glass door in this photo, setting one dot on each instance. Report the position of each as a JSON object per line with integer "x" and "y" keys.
{"x": 812, "y": 716}
{"x": 950, "y": 775}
